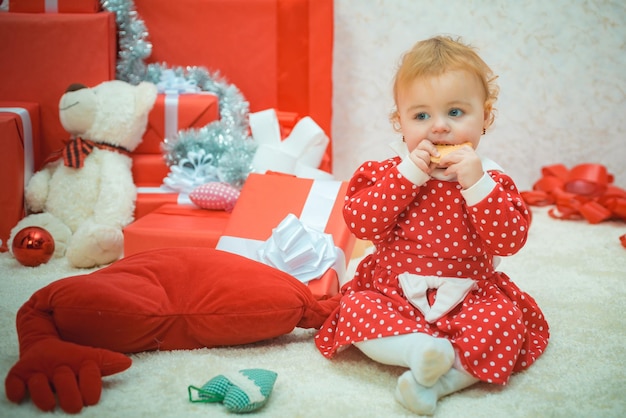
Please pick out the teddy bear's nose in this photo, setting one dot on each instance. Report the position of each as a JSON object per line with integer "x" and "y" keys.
{"x": 75, "y": 86}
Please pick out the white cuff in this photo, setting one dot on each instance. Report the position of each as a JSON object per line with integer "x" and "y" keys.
{"x": 479, "y": 190}
{"x": 411, "y": 172}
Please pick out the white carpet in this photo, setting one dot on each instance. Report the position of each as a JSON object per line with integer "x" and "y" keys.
{"x": 575, "y": 271}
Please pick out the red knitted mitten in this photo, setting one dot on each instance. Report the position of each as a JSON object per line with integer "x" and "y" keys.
{"x": 73, "y": 371}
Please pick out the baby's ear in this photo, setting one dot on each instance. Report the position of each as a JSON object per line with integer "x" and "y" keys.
{"x": 394, "y": 118}
{"x": 488, "y": 115}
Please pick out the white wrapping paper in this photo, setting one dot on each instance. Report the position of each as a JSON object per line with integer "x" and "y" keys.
{"x": 299, "y": 154}
{"x": 181, "y": 198}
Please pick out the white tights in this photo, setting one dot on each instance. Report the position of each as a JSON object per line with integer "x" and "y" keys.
{"x": 427, "y": 357}
{"x": 433, "y": 373}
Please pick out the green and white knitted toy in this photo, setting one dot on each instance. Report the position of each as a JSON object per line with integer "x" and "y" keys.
{"x": 244, "y": 391}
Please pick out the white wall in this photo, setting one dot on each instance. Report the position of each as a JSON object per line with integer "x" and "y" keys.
{"x": 561, "y": 67}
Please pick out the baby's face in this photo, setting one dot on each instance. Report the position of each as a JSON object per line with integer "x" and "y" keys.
{"x": 447, "y": 109}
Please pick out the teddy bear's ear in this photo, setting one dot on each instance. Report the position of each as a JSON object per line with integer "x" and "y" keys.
{"x": 146, "y": 96}
{"x": 75, "y": 87}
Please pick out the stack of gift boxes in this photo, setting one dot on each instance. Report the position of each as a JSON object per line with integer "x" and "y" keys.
{"x": 42, "y": 54}
{"x": 277, "y": 52}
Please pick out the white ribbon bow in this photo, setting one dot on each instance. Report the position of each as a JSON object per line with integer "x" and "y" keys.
{"x": 450, "y": 292}
{"x": 299, "y": 250}
{"x": 191, "y": 172}
{"x": 299, "y": 154}
{"x": 297, "y": 245}
{"x": 171, "y": 83}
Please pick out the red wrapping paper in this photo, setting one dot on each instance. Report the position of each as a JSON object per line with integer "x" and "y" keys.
{"x": 583, "y": 192}
{"x": 266, "y": 200}
{"x": 149, "y": 170}
{"x": 13, "y": 161}
{"x": 44, "y": 53}
{"x": 173, "y": 225}
{"x": 150, "y": 199}
{"x": 57, "y": 6}
{"x": 277, "y": 52}
{"x": 193, "y": 111}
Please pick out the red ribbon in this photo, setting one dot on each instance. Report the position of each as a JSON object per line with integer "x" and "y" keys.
{"x": 584, "y": 192}
{"x": 76, "y": 150}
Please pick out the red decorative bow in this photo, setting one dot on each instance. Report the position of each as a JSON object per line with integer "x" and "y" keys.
{"x": 584, "y": 192}
{"x": 77, "y": 149}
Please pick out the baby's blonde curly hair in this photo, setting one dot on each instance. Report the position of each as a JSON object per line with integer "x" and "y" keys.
{"x": 433, "y": 57}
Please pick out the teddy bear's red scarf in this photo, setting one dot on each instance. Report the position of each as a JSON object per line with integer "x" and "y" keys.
{"x": 77, "y": 149}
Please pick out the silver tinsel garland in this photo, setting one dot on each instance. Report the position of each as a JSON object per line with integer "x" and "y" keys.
{"x": 229, "y": 150}
{"x": 226, "y": 141}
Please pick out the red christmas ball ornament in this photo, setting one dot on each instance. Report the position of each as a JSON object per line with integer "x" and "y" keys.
{"x": 33, "y": 246}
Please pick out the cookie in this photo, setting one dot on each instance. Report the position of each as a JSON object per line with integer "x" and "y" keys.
{"x": 447, "y": 149}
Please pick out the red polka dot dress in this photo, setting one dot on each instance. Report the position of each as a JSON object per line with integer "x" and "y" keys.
{"x": 431, "y": 230}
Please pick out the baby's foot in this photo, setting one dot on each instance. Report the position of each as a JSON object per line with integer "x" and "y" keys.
{"x": 415, "y": 397}
{"x": 435, "y": 358}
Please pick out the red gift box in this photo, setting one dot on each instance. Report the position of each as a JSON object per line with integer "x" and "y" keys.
{"x": 173, "y": 225}
{"x": 174, "y": 112}
{"x": 151, "y": 198}
{"x": 149, "y": 170}
{"x": 266, "y": 200}
{"x": 54, "y": 6}
{"x": 19, "y": 130}
{"x": 277, "y": 52}
{"x": 171, "y": 113}
{"x": 44, "y": 53}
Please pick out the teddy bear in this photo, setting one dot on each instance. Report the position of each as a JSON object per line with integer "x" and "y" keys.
{"x": 85, "y": 195}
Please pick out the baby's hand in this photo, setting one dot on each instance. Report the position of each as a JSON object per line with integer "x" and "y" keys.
{"x": 422, "y": 154}
{"x": 443, "y": 150}
{"x": 465, "y": 164}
